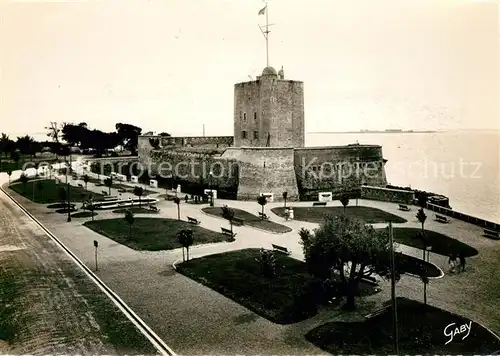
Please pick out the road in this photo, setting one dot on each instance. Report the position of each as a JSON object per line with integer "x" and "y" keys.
{"x": 51, "y": 312}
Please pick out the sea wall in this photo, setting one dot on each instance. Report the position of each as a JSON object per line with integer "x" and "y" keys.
{"x": 266, "y": 170}
{"x": 198, "y": 141}
{"x": 464, "y": 217}
{"x": 338, "y": 169}
{"x": 386, "y": 194}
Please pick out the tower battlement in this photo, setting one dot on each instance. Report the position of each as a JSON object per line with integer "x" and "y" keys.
{"x": 269, "y": 112}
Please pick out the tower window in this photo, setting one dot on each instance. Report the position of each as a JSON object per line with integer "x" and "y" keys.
{"x": 244, "y": 116}
{"x": 243, "y": 134}
{"x": 255, "y": 116}
{"x": 256, "y": 135}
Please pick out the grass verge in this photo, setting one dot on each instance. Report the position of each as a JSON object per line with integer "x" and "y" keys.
{"x": 421, "y": 331}
{"x": 251, "y": 220}
{"x": 46, "y": 191}
{"x": 152, "y": 234}
{"x": 135, "y": 210}
{"x": 441, "y": 244}
{"x": 317, "y": 214}
{"x": 285, "y": 298}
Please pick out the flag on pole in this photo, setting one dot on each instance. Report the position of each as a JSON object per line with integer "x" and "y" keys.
{"x": 263, "y": 11}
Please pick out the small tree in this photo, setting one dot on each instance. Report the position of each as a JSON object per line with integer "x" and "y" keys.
{"x": 425, "y": 280}
{"x": 421, "y": 218}
{"x": 262, "y": 200}
{"x": 108, "y": 182}
{"x": 422, "y": 200}
{"x": 350, "y": 248}
{"x": 228, "y": 214}
{"x": 139, "y": 192}
{"x": 344, "y": 199}
{"x": 186, "y": 239}
{"x": 285, "y": 195}
{"x": 9, "y": 173}
{"x": 178, "y": 202}
{"x": 129, "y": 218}
{"x": 86, "y": 180}
{"x": 267, "y": 263}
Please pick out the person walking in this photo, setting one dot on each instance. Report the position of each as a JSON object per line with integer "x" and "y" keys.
{"x": 452, "y": 262}
{"x": 461, "y": 257}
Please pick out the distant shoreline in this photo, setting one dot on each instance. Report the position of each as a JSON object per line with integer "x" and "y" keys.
{"x": 373, "y": 131}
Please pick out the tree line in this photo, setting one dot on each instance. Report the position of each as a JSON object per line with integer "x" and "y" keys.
{"x": 63, "y": 136}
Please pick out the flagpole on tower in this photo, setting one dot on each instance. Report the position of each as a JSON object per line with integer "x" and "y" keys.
{"x": 266, "y": 32}
{"x": 267, "y": 36}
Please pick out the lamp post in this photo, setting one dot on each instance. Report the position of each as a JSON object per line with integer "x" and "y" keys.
{"x": 69, "y": 198}
{"x": 393, "y": 293}
{"x": 211, "y": 192}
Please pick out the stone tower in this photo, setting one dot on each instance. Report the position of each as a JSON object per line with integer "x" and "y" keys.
{"x": 269, "y": 112}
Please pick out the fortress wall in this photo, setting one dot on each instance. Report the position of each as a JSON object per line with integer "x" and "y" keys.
{"x": 194, "y": 168}
{"x": 198, "y": 141}
{"x": 267, "y": 170}
{"x": 386, "y": 194}
{"x": 341, "y": 169}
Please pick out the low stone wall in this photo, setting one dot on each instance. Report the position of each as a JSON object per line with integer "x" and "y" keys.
{"x": 464, "y": 217}
{"x": 386, "y": 194}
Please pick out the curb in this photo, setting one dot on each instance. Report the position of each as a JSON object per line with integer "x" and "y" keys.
{"x": 174, "y": 264}
{"x": 142, "y": 327}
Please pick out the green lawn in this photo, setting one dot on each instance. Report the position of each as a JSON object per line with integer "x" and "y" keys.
{"x": 441, "y": 244}
{"x": 237, "y": 275}
{"x": 135, "y": 210}
{"x": 284, "y": 299}
{"x": 10, "y": 165}
{"x": 50, "y": 191}
{"x": 251, "y": 220}
{"x": 316, "y": 214}
{"x": 83, "y": 214}
{"x": 421, "y": 331}
{"x": 152, "y": 234}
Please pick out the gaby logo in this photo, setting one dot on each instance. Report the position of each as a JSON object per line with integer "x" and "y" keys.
{"x": 451, "y": 330}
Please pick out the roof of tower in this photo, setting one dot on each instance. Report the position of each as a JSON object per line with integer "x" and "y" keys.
{"x": 269, "y": 71}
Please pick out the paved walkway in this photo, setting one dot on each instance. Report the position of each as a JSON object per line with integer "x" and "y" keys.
{"x": 175, "y": 306}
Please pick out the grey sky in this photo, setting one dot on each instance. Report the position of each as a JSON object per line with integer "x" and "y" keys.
{"x": 170, "y": 65}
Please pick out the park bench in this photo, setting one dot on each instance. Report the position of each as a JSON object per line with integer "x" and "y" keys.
{"x": 442, "y": 218}
{"x": 404, "y": 207}
{"x": 378, "y": 312}
{"x": 370, "y": 280}
{"x": 80, "y": 185}
{"x": 319, "y": 203}
{"x": 227, "y": 232}
{"x": 281, "y": 249}
{"x": 154, "y": 208}
{"x": 263, "y": 216}
{"x": 492, "y": 234}
{"x": 122, "y": 190}
{"x": 238, "y": 221}
{"x": 193, "y": 220}
{"x": 104, "y": 192}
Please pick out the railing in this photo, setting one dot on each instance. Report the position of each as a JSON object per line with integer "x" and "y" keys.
{"x": 464, "y": 217}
